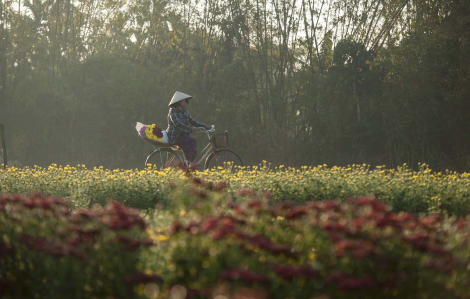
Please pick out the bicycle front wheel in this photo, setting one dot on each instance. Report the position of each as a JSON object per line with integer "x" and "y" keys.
{"x": 164, "y": 158}
{"x": 227, "y": 159}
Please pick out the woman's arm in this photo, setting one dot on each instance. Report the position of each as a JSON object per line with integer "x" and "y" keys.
{"x": 195, "y": 123}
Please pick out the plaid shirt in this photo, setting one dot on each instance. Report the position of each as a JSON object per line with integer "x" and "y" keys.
{"x": 179, "y": 121}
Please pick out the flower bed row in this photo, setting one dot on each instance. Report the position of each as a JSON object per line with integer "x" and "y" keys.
{"x": 215, "y": 247}
{"x": 323, "y": 249}
{"x": 420, "y": 191}
{"x": 46, "y": 251}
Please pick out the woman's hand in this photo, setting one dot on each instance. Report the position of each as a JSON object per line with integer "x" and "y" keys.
{"x": 193, "y": 130}
{"x": 209, "y": 127}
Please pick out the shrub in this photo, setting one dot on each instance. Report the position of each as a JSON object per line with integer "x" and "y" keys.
{"x": 322, "y": 249}
{"x": 47, "y": 251}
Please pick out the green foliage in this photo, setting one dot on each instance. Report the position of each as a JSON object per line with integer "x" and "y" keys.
{"x": 46, "y": 251}
{"x": 420, "y": 191}
{"x": 207, "y": 244}
{"x": 354, "y": 249}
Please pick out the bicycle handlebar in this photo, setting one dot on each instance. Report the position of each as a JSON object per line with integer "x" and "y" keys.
{"x": 203, "y": 130}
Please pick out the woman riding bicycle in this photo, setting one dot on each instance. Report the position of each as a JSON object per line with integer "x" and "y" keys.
{"x": 180, "y": 123}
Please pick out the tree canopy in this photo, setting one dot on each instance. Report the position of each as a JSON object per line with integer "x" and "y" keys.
{"x": 298, "y": 82}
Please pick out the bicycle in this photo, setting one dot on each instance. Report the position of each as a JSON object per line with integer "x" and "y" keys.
{"x": 216, "y": 153}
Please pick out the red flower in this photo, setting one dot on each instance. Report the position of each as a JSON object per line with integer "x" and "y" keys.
{"x": 87, "y": 214}
{"x": 285, "y": 205}
{"x": 157, "y": 132}
{"x": 291, "y": 272}
{"x": 240, "y": 235}
{"x": 219, "y": 186}
{"x": 244, "y": 275}
{"x": 330, "y": 205}
{"x": 192, "y": 228}
{"x": 344, "y": 245}
{"x": 232, "y": 219}
{"x": 219, "y": 234}
{"x": 363, "y": 249}
{"x": 335, "y": 227}
{"x": 345, "y": 282}
{"x": 209, "y": 224}
{"x": 118, "y": 217}
{"x": 358, "y": 222}
{"x": 461, "y": 223}
{"x": 262, "y": 242}
{"x": 296, "y": 212}
{"x": 198, "y": 181}
{"x": 377, "y": 205}
{"x": 86, "y": 232}
{"x": 255, "y": 204}
{"x": 43, "y": 245}
{"x": 246, "y": 192}
{"x": 199, "y": 193}
{"x": 431, "y": 220}
{"x": 175, "y": 227}
{"x": 236, "y": 207}
{"x": 357, "y": 283}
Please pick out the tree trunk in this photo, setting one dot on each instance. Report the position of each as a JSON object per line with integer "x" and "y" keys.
{"x": 3, "y": 58}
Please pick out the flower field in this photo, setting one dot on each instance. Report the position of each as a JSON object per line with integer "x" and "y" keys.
{"x": 258, "y": 233}
{"x": 420, "y": 191}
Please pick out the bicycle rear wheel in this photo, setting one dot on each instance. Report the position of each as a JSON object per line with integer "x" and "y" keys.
{"x": 227, "y": 159}
{"x": 164, "y": 158}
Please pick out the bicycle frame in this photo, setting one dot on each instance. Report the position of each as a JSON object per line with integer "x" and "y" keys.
{"x": 207, "y": 150}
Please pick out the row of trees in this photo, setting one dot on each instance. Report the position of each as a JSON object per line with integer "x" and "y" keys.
{"x": 296, "y": 82}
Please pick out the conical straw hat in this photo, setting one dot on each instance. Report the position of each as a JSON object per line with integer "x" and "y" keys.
{"x": 179, "y": 96}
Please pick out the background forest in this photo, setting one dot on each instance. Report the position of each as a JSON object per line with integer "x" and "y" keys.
{"x": 298, "y": 82}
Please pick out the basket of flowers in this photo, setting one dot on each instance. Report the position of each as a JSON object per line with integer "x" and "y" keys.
{"x": 152, "y": 134}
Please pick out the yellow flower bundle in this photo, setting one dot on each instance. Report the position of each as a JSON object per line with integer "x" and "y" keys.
{"x": 150, "y": 132}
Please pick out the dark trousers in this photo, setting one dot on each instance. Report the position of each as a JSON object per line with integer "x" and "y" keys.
{"x": 188, "y": 145}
